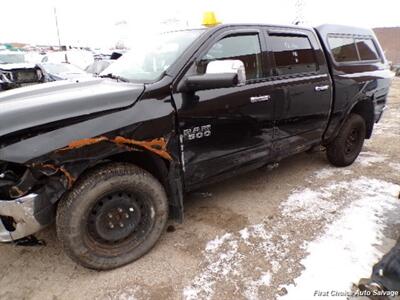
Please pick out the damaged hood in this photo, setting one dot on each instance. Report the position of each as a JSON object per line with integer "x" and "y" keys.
{"x": 10, "y": 67}
{"x": 32, "y": 106}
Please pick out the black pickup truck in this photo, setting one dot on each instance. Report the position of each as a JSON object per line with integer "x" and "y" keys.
{"x": 111, "y": 158}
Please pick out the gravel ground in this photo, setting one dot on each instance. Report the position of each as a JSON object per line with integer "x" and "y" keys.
{"x": 285, "y": 233}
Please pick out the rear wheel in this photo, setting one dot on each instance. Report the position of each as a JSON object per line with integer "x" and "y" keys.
{"x": 114, "y": 215}
{"x": 346, "y": 147}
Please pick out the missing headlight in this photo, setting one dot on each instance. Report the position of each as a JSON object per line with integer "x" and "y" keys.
{"x": 10, "y": 175}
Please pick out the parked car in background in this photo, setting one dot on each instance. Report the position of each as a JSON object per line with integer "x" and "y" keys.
{"x": 117, "y": 54}
{"x": 60, "y": 71}
{"x": 99, "y": 66}
{"x": 79, "y": 58}
{"x": 11, "y": 57}
{"x": 33, "y": 57}
{"x": 16, "y": 72}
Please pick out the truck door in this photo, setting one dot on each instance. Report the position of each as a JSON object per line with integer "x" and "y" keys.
{"x": 300, "y": 67}
{"x": 227, "y": 129}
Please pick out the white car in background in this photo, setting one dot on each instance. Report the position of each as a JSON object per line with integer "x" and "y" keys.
{"x": 61, "y": 71}
{"x": 79, "y": 58}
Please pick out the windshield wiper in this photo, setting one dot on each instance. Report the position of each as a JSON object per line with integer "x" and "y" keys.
{"x": 110, "y": 75}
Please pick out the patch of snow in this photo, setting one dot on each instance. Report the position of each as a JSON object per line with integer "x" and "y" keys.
{"x": 306, "y": 203}
{"x": 356, "y": 209}
{"x": 324, "y": 173}
{"x": 367, "y": 159}
{"x": 244, "y": 233}
{"x": 328, "y": 173}
{"x": 349, "y": 241}
{"x": 275, "y": 266}
{"x": 252, "y": 286}
{"x": 220, "y": 264}
{"x": 213, "y": 245}
{"x": 224, "y": 262}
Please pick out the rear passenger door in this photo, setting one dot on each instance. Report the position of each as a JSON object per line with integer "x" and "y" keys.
{"x": 300, "y": 69}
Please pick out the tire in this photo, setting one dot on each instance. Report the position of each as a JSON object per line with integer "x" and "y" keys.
{"x": 114, "y": 215}
{"x": 346, "y": 147}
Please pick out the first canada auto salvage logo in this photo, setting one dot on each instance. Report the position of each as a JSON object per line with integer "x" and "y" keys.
{"x": 197, "y": 132}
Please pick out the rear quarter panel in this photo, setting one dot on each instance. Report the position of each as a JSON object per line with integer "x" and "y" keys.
{"x": 354, "y": 81}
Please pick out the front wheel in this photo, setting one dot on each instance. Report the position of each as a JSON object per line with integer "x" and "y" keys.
{"x": 346, "y": 147}
{"x": 114, "y": 215}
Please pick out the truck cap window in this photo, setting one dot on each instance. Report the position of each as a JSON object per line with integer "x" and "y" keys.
{"x": 343, "y": 49}
{"x": 245, "y": 48}
{"x": 367, "y": 49}
{"x": 149, "y": 59}
{"x": 350, "y": 49}
{"x": 293, "y": 54}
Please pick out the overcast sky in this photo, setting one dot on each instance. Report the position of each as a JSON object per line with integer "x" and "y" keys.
{"x": 95, "y": 22}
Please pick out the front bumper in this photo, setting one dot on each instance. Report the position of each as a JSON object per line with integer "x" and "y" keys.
{"x": 22, "y": 210}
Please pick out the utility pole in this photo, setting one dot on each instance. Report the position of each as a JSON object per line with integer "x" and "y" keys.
{"x": 299, "y": 12}
{"x": 58, "y": 30}
{"x": 58, "y": 34}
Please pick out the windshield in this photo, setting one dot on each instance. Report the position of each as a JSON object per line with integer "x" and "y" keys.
{"x": 12, "y": 58}
{"x": 149, "y": 59}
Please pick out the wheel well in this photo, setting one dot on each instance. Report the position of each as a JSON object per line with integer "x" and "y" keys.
{"x": 159, "y": 168}
{"x": 365, "y": 109}
{"x": 155, "y": 165}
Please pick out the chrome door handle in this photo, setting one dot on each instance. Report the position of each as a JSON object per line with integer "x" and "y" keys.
{"x": 260, "y": 98}
{"x": 321, "y": 88}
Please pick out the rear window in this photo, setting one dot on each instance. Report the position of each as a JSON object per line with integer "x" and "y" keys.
{"x": 343, "y": 49}
{"x": 293, "y": 54}
{"x": 367, "y": 49}
{"x": 350, "y": 49}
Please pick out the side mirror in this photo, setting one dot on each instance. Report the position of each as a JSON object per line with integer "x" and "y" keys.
{"x": 219, "y": 74}
{"x": 228, "y": 66}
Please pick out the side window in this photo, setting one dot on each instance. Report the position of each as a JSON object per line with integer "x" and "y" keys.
{"x": 293, "y": 54}
{"x": 366, "y": 49}
{"x": 240, "y": 47}
{"x": 343, "y": 49}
